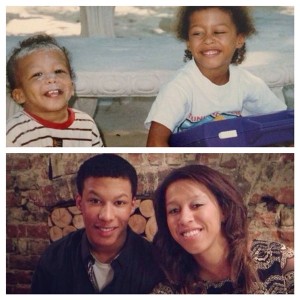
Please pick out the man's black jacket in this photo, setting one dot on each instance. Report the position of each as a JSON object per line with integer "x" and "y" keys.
{"x": 63, "y": 268}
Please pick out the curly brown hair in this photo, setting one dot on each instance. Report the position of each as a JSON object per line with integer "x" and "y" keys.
{"x": 180, "y": 267}
{"x": 240, "y": 15}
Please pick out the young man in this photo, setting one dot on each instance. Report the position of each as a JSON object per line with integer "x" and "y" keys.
{"x": 105, "y": 256}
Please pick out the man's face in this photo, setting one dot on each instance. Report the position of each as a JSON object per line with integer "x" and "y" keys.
{"x": 106, "y": 205}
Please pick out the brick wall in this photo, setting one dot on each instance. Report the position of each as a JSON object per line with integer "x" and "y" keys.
{"x": 36, "y": 183}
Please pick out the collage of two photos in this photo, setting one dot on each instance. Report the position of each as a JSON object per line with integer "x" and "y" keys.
{"x": 150, "y": 76}
{"x": 193, "y": 189}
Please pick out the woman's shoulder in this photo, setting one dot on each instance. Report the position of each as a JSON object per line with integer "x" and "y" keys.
{"x": 271, "y": 251}
{"x": 164, "y": 288}
{"x": 268, "y": 245}
{"x": 275, "y": 265}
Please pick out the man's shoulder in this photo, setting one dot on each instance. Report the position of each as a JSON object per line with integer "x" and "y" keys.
{"x": 138, "y": 238}
{"x": 138, "y": 245}
{"x": 139, "y": 254}
{"x": 65, "y": 245}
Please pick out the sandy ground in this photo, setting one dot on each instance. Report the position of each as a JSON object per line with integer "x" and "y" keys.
{"x": 65, "y": 20}
{"x": 274, "y": 24}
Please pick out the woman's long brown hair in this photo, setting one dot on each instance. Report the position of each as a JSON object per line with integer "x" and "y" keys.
{"x": 180, "y": 266}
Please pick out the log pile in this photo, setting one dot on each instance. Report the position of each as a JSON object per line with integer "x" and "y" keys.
{"x": 143, "y": 220}
{"x": 63, "y": 220}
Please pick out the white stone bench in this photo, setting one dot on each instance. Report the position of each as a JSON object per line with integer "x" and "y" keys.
{"x": 134, "y": 67}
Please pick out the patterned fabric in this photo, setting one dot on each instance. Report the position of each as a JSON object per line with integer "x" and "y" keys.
{"x": 216, "y": 116}
{"x": 271, "y": 260}
{"x": 91, "y": 274}
{"x": 27, "y": 130}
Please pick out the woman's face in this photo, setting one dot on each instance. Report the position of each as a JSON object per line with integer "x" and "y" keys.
{"x": 194, "y": 218}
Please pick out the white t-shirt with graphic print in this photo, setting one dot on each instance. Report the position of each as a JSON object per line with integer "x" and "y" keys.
{"x": 190, "y": 98}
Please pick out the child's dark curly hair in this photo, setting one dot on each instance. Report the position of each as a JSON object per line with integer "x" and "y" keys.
{"x": 29, "y": 45}
{"x": 240, "y": 16}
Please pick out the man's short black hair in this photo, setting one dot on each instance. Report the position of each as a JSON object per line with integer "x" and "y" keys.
{"x": 106, "y": 165}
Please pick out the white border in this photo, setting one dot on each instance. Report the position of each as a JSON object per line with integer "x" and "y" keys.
{"x": 135, "y": 149}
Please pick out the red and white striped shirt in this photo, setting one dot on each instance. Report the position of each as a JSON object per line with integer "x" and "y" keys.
{"x": 27, "y": 130}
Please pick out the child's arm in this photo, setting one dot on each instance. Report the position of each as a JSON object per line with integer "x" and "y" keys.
{"x": 158, "y": 135}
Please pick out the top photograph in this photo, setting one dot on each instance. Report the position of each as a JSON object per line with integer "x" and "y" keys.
{"x": 149, "y": 76}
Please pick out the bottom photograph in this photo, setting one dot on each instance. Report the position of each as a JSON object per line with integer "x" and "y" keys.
{"x": 161, "y": 223}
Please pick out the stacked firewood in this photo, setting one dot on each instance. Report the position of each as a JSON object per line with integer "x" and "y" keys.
{"x": 143, "y": 220}
{"x": 63, "y": 220}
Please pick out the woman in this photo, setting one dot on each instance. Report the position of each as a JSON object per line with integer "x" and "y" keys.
{"x": 203, "y": 241}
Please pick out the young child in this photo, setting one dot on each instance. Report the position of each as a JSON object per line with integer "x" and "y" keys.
{"x": 41, "y": 78}
{"x": 211, "y": 86}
